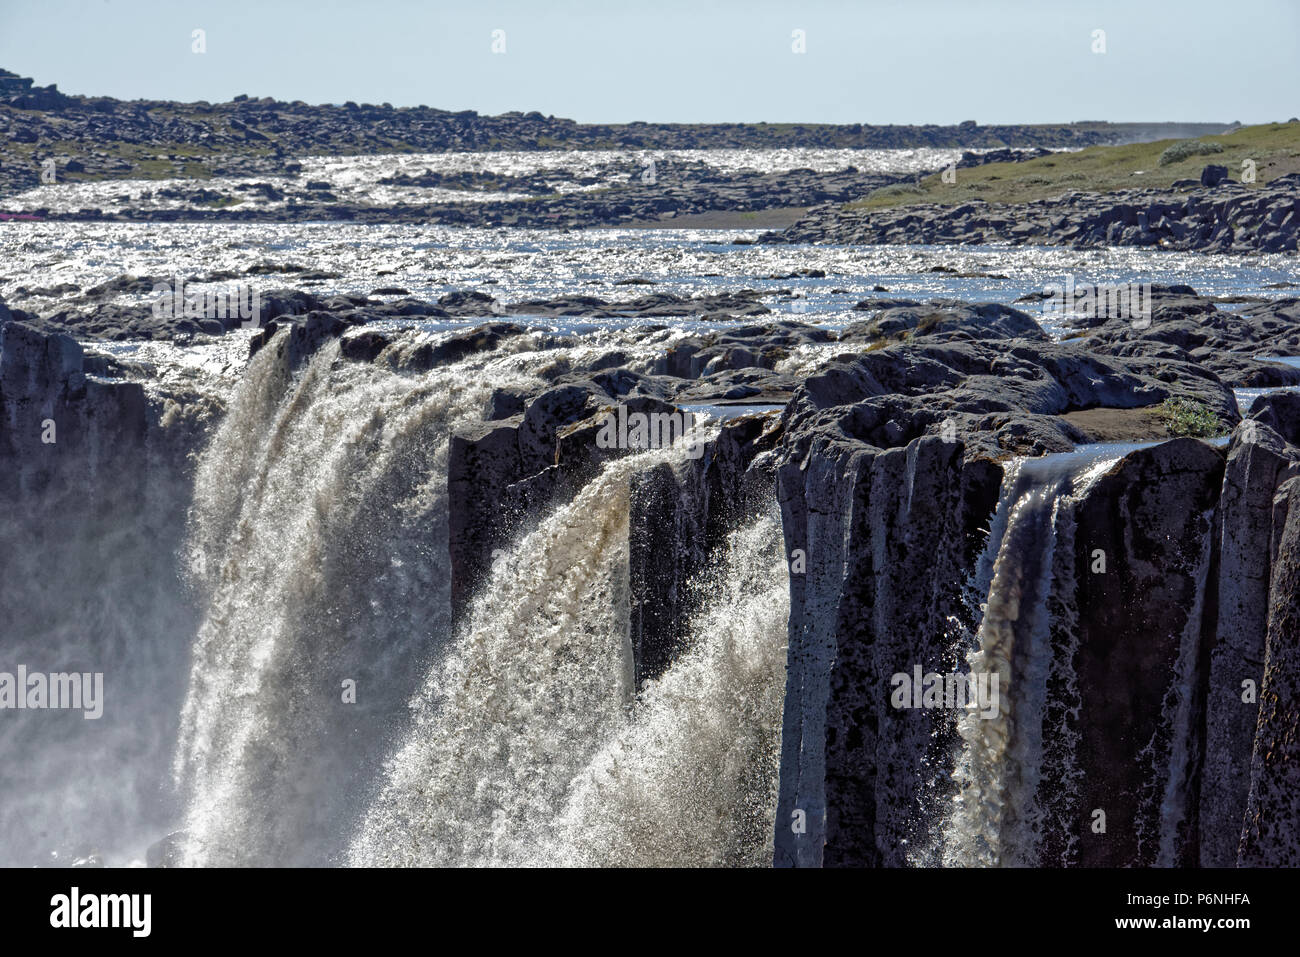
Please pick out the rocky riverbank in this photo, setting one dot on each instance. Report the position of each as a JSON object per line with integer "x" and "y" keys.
{"x": 1215, "y": 215}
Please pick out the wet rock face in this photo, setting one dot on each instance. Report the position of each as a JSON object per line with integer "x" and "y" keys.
{"x": 1269, "y": 837}
{"x": 891, "y": 538}
{"x": 1259, "y": 462}
{"x": 817, "y": 535}
{"x": 679, "y": 517}
{"x": 890, "y": 519}
{"x": 1151, "y": 517}
{"x": 537, "y": 450}
{"x": 1194, "y": 597}
{"x": 59, "y": 426}
{"x": 94, "y": 483}
{"x": 505, "y": 475}
{"x": 879, "y": 543}
{"x": 917, "y": 513}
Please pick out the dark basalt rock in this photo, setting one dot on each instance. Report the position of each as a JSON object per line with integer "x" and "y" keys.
{"x": 1150, "y": 515}
{"x": 1228, "y": 343}
{"x": 1259, "y": 462}
{"x": 970, "y": 160}
{"x": 1269, "y": 837}
{"x": 1227, "y": 217}
{"x": 1214, "y": 175}
{"x": 1281, "y": 413}
{"x": 888, "y": 514}
{"x": 940, "y": 320}
{"x": 679, "y": 517}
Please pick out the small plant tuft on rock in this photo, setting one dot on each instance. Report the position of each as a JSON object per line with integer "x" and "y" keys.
{"x": 1186, "y": 418}
{"x": 1185, "y": 148}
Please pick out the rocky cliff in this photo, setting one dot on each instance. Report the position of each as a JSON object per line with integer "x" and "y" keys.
{"x": 939, "y": 517}
{"x": 95, "y": 479}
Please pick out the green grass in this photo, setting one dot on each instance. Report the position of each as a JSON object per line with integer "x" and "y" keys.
{"x": 1274, "y": 147}
{"x": 1183, "y": 417}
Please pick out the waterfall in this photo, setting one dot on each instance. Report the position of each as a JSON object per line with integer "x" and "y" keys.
{"x": 999, "y": 813}
{"x": 529, "y": 745}
{"x": 318, "y": 545}
{"x": 318, "y": 548}
{"x": 691, "y": 777}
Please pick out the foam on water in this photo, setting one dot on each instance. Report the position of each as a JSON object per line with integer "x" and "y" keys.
{"x": 319, "y": 546}
{"x": 528, "y": 745}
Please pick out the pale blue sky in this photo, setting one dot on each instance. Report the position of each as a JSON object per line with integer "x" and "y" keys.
{"x": 870, "y": 61}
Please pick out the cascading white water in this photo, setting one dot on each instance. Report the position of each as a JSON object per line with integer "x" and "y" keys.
{"x": 88, "y": 586}
{"x": 319, "y": 545}
{"x": 997, "y": 814}
{"x": 541, "y": 674}
{"x": 691, "y": 777}
{"x": 528, "y": 746}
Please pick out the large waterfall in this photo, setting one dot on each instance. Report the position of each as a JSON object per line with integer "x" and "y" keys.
{"x": 318, "y": 545}
{"x": 318, "y": 541}
{"x": 417, "y": 630}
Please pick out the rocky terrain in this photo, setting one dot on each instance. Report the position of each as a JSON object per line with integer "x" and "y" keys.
{"x": 249, "y": 136}
{"x": 946, "y": 475}
{"x": 636, "y": 191}
{"x": 1215, "y": 214}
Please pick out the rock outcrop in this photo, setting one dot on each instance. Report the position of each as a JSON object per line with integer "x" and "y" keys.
{"x": 1171, "y": 592}
{"x": 1269, "y": 837}
{"x": 1138, "y": 628}
{"x": 1260, "y": 461}
{"x": 94, "y": 487}
{"x": 1227, "y": 217}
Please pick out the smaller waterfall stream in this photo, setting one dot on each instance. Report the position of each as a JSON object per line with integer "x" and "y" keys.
{"x": 528, "y": 746}
{"x": 1027, "y": 637}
